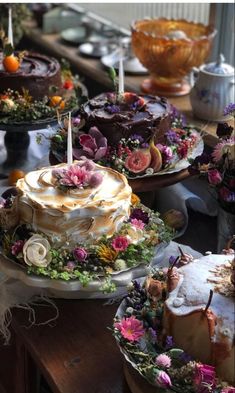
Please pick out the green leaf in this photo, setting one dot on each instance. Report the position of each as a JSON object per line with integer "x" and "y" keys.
{"x": 8, "y": 50}
{"x": 112, "y": 74}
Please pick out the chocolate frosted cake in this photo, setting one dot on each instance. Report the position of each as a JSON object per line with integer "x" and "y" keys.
{"x": 37, "y": 73}
{"x": 144, "y": 115}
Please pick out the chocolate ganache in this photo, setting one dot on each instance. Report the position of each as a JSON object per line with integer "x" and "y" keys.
{"x": 37, "y": 73}
{"x": 144, "y": 115}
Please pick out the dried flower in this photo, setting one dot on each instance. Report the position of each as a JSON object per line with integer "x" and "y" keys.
{"x": 139, "y": 214}
{"x": 204, "y": 379}
{"x": 120, "y": 243}
{"x": 163, "y": 360}
{"x": 130, "y": 328}
{"x": 106, "y": 254}
{"x": 80, "y": 254}
{"x": 163, "y": 380}
{"x": 17, "y": 247}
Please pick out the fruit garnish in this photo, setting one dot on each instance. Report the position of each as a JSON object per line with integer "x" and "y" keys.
{"x": 68, "y": 84}
{"x": 15, "y": 175}
{"x": 138, "y": 161}
{"x": 156, "y": 157}
{"x": 11, "y": 63}
{"x": 57, "y": 101}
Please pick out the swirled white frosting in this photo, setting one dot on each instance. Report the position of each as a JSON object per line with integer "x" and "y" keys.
{"x": 74, "y": 215}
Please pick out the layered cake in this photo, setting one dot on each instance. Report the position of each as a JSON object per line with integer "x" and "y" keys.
{"x": 37, "y": 74}
{"x": 80, "y": 203}
{"x": 206, "y": 333}
{"x": 144, "y": 115}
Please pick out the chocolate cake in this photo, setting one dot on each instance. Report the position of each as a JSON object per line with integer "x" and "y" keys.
{"x": 37, "y": 73}
{"x": 144, "y": 115}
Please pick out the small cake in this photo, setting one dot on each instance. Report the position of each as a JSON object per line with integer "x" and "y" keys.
{"x": 37, "y": 74}
{"x": 203, "y": 329}
{"x": 77, "y": 203}
{"x": 144, "y": 115}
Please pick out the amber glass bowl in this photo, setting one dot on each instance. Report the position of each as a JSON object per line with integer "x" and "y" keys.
{"x": 169, "y": 49}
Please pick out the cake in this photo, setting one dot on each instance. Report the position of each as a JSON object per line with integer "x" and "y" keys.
{"x": 37, "y": 74}
{"x": 144, "y": 115}
{"x": 176, "y": 327}
{"x": 77, "y": 214}
{"x": 81, "y": 222}
{"x": 205, "y": 333}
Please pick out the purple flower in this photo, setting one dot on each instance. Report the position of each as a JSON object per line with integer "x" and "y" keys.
{"x": 166, "y": 152}
{"x": 112, "y": 109}
{"x": 139, "y": 214}
{"x": 152, "y": 335}
{"x": 80, "y": 254}
{"x": 229, "y": 109}
{"x": 172, "y": 260}
{"x": 172, "y": 137}
{"x": 94, "y": 145}
{"x": 163, "y": 380}
{"x": 76, "y": 121}
{"x": 136, "y": 136}
{"x": 163, "y": 360}
{"x": 204, "y": 379}
{"x": 70, "y": 265}
{"x": 17, "y": 247}
{"x": 204, "y": 158}
{"x": 228, "y": 389}
{"x": 185, "y": 357}
{"x": 169, "y": 342}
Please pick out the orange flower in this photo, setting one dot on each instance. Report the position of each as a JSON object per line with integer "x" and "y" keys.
{"x": 107, "y": 254}
{"x": 134, "y": 199}
{"x": 57, "y": 101}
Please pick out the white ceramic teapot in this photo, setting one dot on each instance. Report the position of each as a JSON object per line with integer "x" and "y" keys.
{"x": 213, "y": 90}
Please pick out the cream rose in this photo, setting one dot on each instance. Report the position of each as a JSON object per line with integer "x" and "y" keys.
{"x": 135, "y": 235}
{"x": 36, "y": 251}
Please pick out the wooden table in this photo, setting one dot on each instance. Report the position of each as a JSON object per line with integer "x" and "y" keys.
{"x": 77, "y": 355}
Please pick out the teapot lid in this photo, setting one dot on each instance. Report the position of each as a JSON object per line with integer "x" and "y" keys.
{"x": 219, "y": 67}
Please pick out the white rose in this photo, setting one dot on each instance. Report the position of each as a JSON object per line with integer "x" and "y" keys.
{"x": 36, "y": 251}
{"x": 135, "y": 235}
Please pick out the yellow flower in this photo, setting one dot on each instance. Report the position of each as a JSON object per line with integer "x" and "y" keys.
{"x": 152, "y": 238}
{"x": 107, "y": 254}
{"x": 134, "y": 199}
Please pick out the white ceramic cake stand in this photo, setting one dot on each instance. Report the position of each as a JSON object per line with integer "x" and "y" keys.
{"x": 73, "y": 289}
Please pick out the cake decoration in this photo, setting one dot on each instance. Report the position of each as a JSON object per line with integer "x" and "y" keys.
{"x": 180, "y": 338}
{"x": 78, "y": 222}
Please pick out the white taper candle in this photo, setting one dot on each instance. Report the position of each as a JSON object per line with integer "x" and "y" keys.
{"x": 10, "y": 31}
{"x": 69, "y": 143}
{"x": 121, "y": 74}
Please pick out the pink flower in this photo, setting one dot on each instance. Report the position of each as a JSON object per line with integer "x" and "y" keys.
{"x": 204, "y": 379}
{"x": 228, "y": 389}
{"x": 80, "y": 254}
{"x": 214, "y": 177}
{"x": 130, "y": 328}
{"x": 163, "y": 360}
{"x": 120, "y": 243}
{"x": 137, "y": 223}
{"x": 17, "y": 247}
{"x": 226, "y": 146}
{"x": 163, "y": 380}
{"x": 94, "y": 145}
{"x": 74, "y": 176}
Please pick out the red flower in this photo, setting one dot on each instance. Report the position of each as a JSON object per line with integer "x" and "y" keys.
{"x": 68, "y": 84}
{"x": 204, "y": 378}
{"x": 120, "y": 243}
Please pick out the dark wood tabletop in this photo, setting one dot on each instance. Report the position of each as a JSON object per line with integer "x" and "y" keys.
{"x": 78, "y": 354}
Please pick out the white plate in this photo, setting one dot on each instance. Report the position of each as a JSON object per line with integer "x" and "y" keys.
{"x": 131, "y": 65}
{"x": 73, "y": 289}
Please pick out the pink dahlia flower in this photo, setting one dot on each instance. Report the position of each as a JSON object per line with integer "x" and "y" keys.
{"x": 214, "y": 177}
{"x": 137, "y": 223}
{"x": 120, "y": 243}
{"x": 130, "y": 328}
{"x": 204, "y": 379}
{"x": 94, "y": 145}
{"x": 74, "y": 176}
{"x": 163, "y": 360}
{"x": 163, "y": 380}
{"x": 224, "y": 147}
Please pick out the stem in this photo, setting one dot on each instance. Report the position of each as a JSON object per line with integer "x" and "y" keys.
{"x": 209, "y": 300}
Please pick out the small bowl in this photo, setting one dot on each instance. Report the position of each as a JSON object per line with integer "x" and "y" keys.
{"x": 169, "y": 49}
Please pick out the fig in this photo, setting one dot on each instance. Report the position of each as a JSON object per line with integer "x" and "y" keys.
{"x": 174, "y": 219}
{"x": 138, "y": 161}
{"x": 156, "y": 157}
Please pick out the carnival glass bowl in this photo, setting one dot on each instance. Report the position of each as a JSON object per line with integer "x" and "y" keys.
{"x": 169, "y": 49}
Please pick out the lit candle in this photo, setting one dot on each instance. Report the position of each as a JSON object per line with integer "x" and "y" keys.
{"x": 121, "y": 74}
{"x": 10, "y": 31}
{"x": 69, "y": 143}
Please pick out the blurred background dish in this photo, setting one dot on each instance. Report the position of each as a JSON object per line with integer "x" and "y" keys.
{"x": 169, "y": 49}
{"x": 97, "y": 48}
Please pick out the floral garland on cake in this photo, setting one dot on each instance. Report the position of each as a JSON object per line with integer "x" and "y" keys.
{"x": 16, "y": 107}
{"x": 132, "y": 156}
{"x": 138, "y": 332}
{"x": 132, "y": 245}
